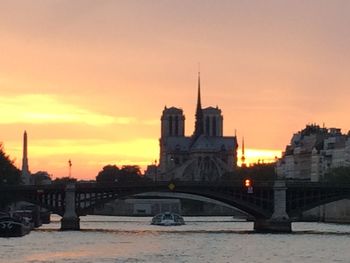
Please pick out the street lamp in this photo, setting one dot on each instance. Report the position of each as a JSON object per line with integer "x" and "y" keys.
{"x": 156, "y": 171}
{"x": 70, "y": 167}
{"x": 248, "y": 184}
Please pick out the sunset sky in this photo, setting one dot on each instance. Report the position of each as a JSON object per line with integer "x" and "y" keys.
{"x": 88, "y": 80}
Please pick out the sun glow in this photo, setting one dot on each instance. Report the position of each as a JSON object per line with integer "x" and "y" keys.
{"x": 258, "y": 156}
{"x": 88, "y": 156}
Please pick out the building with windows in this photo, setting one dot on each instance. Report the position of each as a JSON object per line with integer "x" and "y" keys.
{"x": 205, "y": 155}
{"x": 312, "y": 152}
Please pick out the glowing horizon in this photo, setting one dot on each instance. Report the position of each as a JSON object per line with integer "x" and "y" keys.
{"x": 103, "y": 155}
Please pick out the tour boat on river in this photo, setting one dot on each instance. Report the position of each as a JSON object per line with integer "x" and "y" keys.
{"x": 167, "y": 219}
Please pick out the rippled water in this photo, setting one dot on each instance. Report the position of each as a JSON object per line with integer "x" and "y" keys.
{"x": 202, "y": 239}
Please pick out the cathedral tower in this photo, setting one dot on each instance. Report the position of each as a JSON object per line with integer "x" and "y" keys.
{"x": 172, "y": 128}
{"x": 213, "y": 121}
{"x": 243, "y": 164}
{"x": 173, "y": 122}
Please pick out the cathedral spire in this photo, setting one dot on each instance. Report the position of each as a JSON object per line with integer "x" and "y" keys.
{"x": 199, "y": 113}
{"x": 199, "y": 104}
{"x": 243, "y": 154}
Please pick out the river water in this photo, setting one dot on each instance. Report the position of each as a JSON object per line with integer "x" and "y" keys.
{"x": 203, "y": 239}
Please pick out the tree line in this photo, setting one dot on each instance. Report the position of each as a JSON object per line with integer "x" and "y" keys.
{"x": 125, "y": 174}
{"x": 9, "y": 173}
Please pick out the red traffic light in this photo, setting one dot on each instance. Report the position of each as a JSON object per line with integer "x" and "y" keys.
{"x": 247, "y": 183}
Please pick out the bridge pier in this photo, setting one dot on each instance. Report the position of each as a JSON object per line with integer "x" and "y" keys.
{"x": 272, "y": 226}
{"x": 279, "y": 221}
{"x": 70, "y": 219}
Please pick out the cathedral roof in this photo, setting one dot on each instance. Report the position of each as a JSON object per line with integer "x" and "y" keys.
{"x": 212, "y": 110}
{"x": 202, "y": 143}
{"x": 209, "y": 143}
{"x": 178, "y": 143}
{"x": 172, "y": 110}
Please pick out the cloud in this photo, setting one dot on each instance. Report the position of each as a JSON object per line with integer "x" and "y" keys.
{"x": 137, "y": 148}
{"x": 153, "y": 122}
{"x": 39, "y": 109}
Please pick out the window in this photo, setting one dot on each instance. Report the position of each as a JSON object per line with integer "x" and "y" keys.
{"x": 170, "y": 125}
{"x": 176, "y": 125}
{"x": 214, "y": 126}
{"x": 207, "y": 125}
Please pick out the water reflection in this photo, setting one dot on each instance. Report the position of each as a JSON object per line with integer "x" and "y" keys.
{"x": 202, "y": 239}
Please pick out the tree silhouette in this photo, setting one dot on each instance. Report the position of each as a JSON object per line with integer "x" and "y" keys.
{"x": 108, "y": 174}
{"x": 64, "y": 180}
{"x": 41, "y": 177}
{"x": 125, "y": 174}
{"x": 9, "y": 173}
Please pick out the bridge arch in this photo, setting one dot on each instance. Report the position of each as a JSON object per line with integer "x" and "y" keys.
{"x": 189, "y": 196}
{"x": 295, "y": 210}
{"x": 253, "y": 206}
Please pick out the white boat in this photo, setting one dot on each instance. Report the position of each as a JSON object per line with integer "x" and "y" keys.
{"x": 167, "y": 219}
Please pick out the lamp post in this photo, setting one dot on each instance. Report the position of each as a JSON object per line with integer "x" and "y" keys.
{"x": 70, "y": 168}
{"x": 156, "y": 171}
{"x": 248, "y": 184}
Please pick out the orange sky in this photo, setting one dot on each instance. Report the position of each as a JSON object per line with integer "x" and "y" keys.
{"x": 89, "y": 79}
